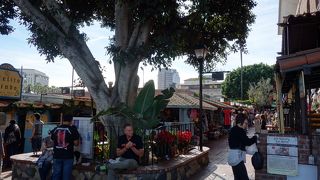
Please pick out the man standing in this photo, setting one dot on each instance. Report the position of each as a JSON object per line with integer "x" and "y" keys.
{"x": 36, "y": 134}
{"x": 130, "y": 149}
{"x": 12, "y": 140}
{"x": 65, "y": 137}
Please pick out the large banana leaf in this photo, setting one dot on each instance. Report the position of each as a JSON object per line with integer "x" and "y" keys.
{"x": 145, "y": 98}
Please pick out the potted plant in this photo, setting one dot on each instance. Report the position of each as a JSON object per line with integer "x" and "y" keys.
{"x": 163, "y": 142}
{"x": 184, "y": 140}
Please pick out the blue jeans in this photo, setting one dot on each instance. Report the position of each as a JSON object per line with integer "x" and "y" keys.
{"x": 62, "y": 169}
{"x": 44, "y": 171}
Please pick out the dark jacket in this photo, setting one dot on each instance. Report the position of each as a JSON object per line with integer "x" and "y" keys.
{"x": 238, "y": 139}
{"x": 264, "y": 124}
{"x": 12, "y": 128}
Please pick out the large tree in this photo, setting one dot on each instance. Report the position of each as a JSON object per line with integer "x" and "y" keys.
{"x": 148, "y": 32}
{"x": 231, "y": 87}
{"x": 260, "y": 93}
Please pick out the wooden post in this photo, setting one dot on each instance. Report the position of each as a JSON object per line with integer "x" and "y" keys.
{"x": 279, "y": 103}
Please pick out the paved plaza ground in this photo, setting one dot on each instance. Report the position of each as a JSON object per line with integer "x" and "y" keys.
{"x": 218, "y": 168}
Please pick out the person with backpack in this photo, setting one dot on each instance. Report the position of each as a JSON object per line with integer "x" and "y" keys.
{"x": 36, "y": 134}
{"x": 64, "y": 137}
{"x": 238, "y": 140}
{"x": 12, "y": 140}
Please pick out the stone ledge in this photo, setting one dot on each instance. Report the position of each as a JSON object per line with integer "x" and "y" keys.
{"x": 171, "y": 164}
{"x": 181, "y": 167}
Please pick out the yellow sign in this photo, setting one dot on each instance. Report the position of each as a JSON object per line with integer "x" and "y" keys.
{"x": 10, "y": 82}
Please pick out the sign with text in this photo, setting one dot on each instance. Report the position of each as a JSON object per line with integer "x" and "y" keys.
{"x": 284, "y": 165}
{"x": 10, "y": 82}
{"x": 282, "y": 150}
{"x": 282, "y": 140}
{"x": 85, "y": 128}
{"x": 282, "y": 155}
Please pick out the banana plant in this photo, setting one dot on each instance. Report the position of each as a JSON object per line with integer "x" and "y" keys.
{"x": 146, "y": 110}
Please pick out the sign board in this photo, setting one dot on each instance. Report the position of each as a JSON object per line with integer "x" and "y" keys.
{"x": 79, "y": 93}
{"x": 10, "y": 82}
{"x": 217, "y": 76}
{"x": 282, "y": 155}
{"x": 85, "y": 128}
{"x": 282, "y": 140}
{"x": 284, "y": 165}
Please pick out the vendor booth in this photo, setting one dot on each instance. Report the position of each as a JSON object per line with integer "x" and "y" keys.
{"x": 292, "y": 149}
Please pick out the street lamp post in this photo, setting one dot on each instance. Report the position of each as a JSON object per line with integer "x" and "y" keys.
{"x": 200, "y": 54}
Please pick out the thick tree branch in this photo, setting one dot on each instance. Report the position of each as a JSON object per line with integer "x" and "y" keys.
{"x": 122, "y": 21}
{"x": 74, "y": 48}
{"x": 35, "y": 15}
{"x": 144, "y": 33}
{"x": 58, "y": 14}
{"x": 134, "y": 35}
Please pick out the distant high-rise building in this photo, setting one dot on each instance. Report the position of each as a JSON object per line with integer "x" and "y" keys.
{"x": 32, "y": 77}
{"x": 168, "y": 78}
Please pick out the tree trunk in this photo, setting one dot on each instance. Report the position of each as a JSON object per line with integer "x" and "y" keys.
{"x": 75, "y": 49}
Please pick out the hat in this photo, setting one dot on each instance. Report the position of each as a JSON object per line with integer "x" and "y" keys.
{"x": 37, "y": 115}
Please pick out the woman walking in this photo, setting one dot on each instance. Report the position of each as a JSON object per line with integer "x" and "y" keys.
{"x": 238, "y": 140}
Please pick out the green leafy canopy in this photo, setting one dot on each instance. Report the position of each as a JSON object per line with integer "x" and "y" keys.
{"x": 177, "y": 26}
{"x": 251, "y": 75}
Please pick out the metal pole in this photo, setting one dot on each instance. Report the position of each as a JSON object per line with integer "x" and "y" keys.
{"x": 241, "y": 86}
{"x": 200, "y": 102}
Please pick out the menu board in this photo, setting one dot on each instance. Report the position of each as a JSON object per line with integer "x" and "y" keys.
{"x": 282, "y": 155}
{"x": 85, "y": 128}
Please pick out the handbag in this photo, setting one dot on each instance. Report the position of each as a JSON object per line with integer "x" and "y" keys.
{"x": 257, "y": 160}
{"x": 251, "y": 149}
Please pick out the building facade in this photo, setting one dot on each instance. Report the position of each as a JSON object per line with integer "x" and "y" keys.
{"x": 168, "y": 78}
{"x": 211, "y": 89}
{"x": 32, "y": 77}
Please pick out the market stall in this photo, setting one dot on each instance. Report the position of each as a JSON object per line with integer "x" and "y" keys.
{"x": 291, "y": 149}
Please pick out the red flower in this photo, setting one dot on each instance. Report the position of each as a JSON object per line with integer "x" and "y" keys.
{"x": 165, "y": 137}
{"x": 184, "y": 137}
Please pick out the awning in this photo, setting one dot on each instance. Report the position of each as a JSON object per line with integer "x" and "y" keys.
{"x": 299, "y": 61}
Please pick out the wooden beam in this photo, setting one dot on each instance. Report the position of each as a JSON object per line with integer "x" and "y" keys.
{"x": 279, "y": 102}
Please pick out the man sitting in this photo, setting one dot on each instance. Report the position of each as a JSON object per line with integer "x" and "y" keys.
{"x": 130, "y": 149}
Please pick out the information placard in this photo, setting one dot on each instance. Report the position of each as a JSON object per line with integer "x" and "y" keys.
{"x": 282, "y": 140}
{"x": 85, "y": 128}
{"x": 284, "y": 165}
{"x": 282, "y": 155}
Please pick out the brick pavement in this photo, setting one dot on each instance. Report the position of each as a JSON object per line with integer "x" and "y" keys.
{"x": 218, "y": 168}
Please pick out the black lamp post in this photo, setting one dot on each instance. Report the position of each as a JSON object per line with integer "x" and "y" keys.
{"x": 201, "y": 55}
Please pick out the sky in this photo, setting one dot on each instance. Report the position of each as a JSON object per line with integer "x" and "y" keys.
{"x": 263, "y": 43}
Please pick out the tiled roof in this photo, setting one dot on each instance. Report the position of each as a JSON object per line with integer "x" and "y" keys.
{"x": 180, "y": 100}
{"x": 218, "y": 104}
